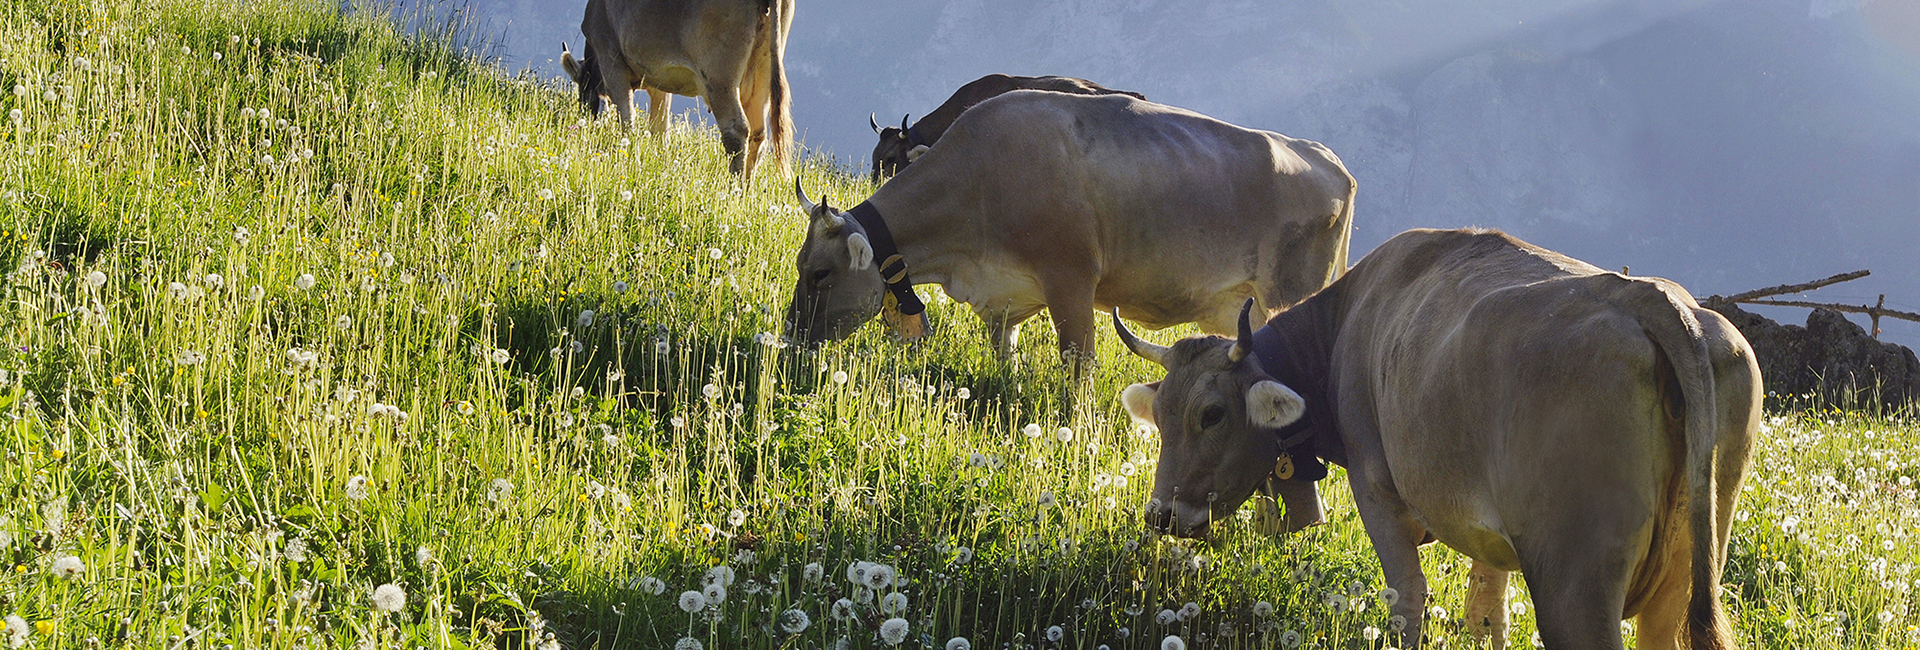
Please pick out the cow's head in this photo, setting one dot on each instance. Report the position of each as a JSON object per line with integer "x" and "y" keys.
{"x": 839, "y": 287}
{"x": 895, "y": 150}
{"x": 586, "y": 74}
{"x": 1219, "y": 414}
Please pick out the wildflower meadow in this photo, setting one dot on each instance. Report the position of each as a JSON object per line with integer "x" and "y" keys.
{"x": 319, "y": 333}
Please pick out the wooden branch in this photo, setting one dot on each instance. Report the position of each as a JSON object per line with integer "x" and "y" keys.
{"x": 1749, "y": 296}
{"x": 1851, "y": 309}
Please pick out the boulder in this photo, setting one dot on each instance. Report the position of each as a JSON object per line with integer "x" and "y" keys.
{"x": 1830, "y": 361}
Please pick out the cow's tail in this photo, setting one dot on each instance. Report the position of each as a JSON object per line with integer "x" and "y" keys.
{"x": 780, "y": 105}
{"x": 1671, "y": 323}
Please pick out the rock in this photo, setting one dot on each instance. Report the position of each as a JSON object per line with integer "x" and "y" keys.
{"x": 1832, "y": 360}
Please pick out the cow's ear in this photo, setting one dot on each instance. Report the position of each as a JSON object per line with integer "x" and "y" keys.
{"x": 1272, "y": 405}
{"x": 917, "y": 151}
{"x": 1138, "y": 399}
{"x": 860, "y": 250}
{"x": 570, "y": 64}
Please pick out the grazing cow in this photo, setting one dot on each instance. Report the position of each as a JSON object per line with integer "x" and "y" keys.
{"x": 727, "y": 52}
{"x": 1529, "y": 410}
{"x": 900, "y": 145}
{"x": 1071, "y": 202}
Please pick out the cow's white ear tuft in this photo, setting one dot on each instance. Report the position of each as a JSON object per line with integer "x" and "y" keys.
{"x": 860, "y": 250}
{"x": 1139, "y": 401}
{"x": 570, "y": 64}
{"x": 915, "y": 153}
{"x": 1272, "y": 405}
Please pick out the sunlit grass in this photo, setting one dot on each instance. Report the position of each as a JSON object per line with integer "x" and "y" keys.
{"x": 297, "y": 308}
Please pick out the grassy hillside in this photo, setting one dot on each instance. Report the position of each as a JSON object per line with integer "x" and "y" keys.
{"x": 297, "y": 308}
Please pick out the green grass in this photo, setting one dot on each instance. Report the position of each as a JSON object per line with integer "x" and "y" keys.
{"x": 208, "y": 428}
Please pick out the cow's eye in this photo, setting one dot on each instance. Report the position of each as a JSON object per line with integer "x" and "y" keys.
{"x": 1212, "y": 416}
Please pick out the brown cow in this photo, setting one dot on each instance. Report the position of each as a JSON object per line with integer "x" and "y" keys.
{"x": 727, "y": 52}
{"x": 900, "y": 145}
{"x": 1530, "y": 410}
{"x": 1071, "y": 203}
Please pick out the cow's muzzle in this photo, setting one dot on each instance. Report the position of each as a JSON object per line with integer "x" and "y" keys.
{"x": 1179, "y": 520}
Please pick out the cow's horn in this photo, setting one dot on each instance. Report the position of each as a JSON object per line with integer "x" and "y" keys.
{"x": 1149, "y": 351}
{"x": 903, "y": 124}
{"x": 1244, "y": 344}
{"x": 805, "y": 205}
{"x": 873, "y": 122}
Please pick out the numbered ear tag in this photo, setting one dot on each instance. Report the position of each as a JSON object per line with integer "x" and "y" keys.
{"x": 1283, "y": 467}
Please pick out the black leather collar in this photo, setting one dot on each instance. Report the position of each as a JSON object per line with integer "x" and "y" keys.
{"x": 893, "y": 267}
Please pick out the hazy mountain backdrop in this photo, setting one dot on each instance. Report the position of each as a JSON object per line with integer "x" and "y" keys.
{"x": 1728, "y": 145}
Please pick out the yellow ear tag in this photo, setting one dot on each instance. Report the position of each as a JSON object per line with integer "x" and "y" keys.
{"x": 1283, "y": 468}
{"x": 909, "y": 328}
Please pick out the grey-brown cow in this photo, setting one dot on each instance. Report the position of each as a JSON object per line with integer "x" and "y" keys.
{"x": 727, "y": 52}
{"x": 1072, "y": 202}
{"x": 1529, "y": 410}
{"x": 900, "y": 145}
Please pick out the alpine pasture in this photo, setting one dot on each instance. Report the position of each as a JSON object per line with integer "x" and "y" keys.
{"x": 319, "y": 334}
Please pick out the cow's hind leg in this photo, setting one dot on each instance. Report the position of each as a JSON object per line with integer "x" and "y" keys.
{"x": 659, "y": 107}
{"x": 1486, "y": 613}
{"x": 1578, "y": 599}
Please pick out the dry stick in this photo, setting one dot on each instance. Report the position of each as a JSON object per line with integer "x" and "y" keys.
{"x": 1749, "y": 296}
{"x": 1876, "y": 312}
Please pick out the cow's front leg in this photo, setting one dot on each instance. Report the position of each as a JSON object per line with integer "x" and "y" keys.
{"x": 1396, "y": 535}
{"x": 1005, "y": 333}
{"x": 1487, "y": 604}
{"x": 1302, "y": 507}
{"x": 620, "y": 91}
{"x": 1072, "y": 312}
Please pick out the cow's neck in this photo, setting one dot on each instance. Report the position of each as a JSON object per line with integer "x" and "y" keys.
{"x": 932, "y": 241}
{"x": 1295, "y": 347}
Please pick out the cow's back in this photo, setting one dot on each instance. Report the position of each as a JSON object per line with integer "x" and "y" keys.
{"x": 1169, "y": 204}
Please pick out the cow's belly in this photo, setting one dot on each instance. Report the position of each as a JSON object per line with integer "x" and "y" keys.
{"x": 676, "y": 79}
{"x": 995, "y": 292}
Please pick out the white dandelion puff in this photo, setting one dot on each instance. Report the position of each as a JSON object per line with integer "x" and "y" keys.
{"x": 962, "y": 555}
{"x": 736, "y": 517}
{"x": 499, "y": 490}
{"x": 722, "y": 575}
{"x": 1173, "y": 643}
{"x": 1166, "y": 617}
{"x": 296, "y": 551}
{"x": 69, "y": 567}
{"x": 813, "y": 572}
{"x": 652, "y": 586}
{"x": 546, "y": 194}
{"x": 1031, "y": 430}
{"x": 389, "y": 598}
{"x": 17, "y": 631}
{"x": 1389, "y": 596}
{"x": 1056, "y": 633}
{"x": 963, "y": 393}
{"x": 1371, "y": 633}
{"x": 959, "y": 643}
{"x": 893, "y": 631}
{"x": 688, "y": 643}
{"x": 842, "y": 610}
{"x": 715, "y": 593}
{"x": 96, "y": 279}
{"x": 358, "y": 486}
{"x": 894, "y": 603}
{"x": 584, "y": 320}
{"x": 500, "y": 357}
{"x": 878, "y": 577}
{"x": 710, "y": 391}
{"x": 794, "y": 621}
{"x": 626, "y": 195}
{"x": 840, "y": 376}
{"x": 1189, "y": 611}
{"x": 1290, "y": 639}
{"x": 241, "y": 235}
{"x": 304, "y": 282}
{"x": 692, "y": 601}
{"x": 1065, "y": 434}
{"x": 1263, "y": 609}
{"x": 423, "y": 556}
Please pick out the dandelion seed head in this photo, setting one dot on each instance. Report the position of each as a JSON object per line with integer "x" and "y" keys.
{"x": 17, "y": 630}
{"x": 1173, "y": 643}
{"x": 500, "y": 357}
{"x": 389, "y": 598}
{"x": 1166, "y": 617}
{"x": 692, "y": 601}
{"x": 304, "y": 282}
{"x": 1065, "y": 434}
{"x": 688, "y": 643}
{"x": 715, "y": 592}
{"x": 68, "y": 567}
{"x": 96, "y": 279}
{"x": 813, "y": 572}
{"x": 722, "y": 575}
{"x": 358, "y": 487}
{"x": 959, "y": 643}
{"x": 1031, "y": 430}
{"x": 652, "y": 586}
{"x": 840, "y": 376}
{"x": 499, "y": 490}
{"x": 546, "y": 194}
{"x": 1263, "y": 609}
{"x": 794, "y": 621}
{"x": 423, "y": 556}
{"x": 736, "y": 517}
{"x": 894, "y": 603}
{"x": 893, "y": 631}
